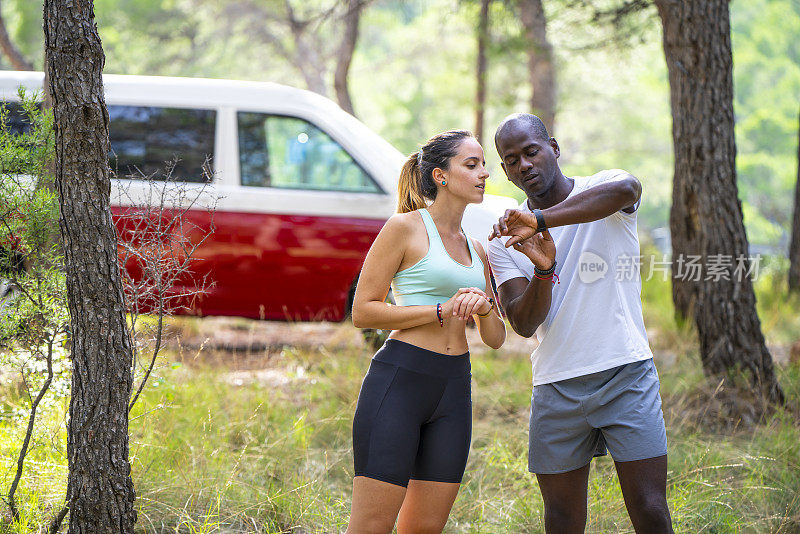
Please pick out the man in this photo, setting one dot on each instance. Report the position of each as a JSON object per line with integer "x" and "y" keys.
{"x": 595, "y": 387}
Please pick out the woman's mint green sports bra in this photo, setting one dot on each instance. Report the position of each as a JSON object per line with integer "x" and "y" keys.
{"x": 436, "y": 277}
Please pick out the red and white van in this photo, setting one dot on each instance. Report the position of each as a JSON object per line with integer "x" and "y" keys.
{"x": 301, "y": 187}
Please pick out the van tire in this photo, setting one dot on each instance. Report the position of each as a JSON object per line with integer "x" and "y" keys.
{"x": 374, "y": 338}
{"x": 12, "y": 264}
{"x": 8, "y": 294}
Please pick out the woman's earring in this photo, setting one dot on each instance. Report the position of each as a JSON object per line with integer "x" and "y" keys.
{"x": 444, "y": 182}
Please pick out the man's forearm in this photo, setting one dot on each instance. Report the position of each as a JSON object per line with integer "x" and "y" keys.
{"x": 594, "y": 204}
{"x": 528, "y": 311}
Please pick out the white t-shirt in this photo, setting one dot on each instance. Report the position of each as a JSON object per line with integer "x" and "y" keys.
{"x": 595, "y": 319}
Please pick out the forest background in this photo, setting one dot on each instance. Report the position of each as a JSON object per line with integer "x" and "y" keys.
{"x": 257, "y": 436}
{"x": 612, "y": 103}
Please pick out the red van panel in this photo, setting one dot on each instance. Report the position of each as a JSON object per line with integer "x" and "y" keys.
{"x": 270, "y": 266}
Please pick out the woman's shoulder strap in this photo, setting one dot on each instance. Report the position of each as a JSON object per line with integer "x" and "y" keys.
{"x": 430, "y": 226}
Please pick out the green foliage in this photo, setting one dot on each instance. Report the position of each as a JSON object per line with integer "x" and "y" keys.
{"x": 30, "y": 261}
{"x": 767, "y": 104}
{"x": 413, "y": 75}
{"x": 43, "y": 485}
{"x": 27, "y": 152}
{"x": 33, "y": 309}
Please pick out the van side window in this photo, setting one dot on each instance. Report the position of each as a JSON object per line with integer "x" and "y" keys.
{"x": 291, "y": 153}
{"x": 144, "y": 140}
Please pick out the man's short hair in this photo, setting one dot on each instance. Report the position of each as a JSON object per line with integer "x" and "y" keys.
{"x": 530, "y": 121}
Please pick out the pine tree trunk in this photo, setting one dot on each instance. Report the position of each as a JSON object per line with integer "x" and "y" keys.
{"x": 100, "y": 490}
{"x": 794, "y": 247}
{"x": 540, "y": 62}
{"x": 480, "y": 70}
{"x": 306, "y": 58}
{"x": 706, "y": 218}
{"x": 345, "y": 57}
{"x": 13, "y": 54}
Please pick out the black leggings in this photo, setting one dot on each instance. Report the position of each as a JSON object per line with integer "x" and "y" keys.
{"x": 414, "y": 416}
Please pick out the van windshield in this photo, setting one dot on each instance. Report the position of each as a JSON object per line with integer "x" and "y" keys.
{"x": 291, "y": 153}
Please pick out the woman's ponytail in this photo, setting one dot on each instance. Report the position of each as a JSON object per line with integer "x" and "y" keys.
{"x": 409, "y": 186}
{"x": 416, "y": 186}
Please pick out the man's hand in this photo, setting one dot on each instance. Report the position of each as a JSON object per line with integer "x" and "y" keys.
{"x": 540, "y": 249}
{"x": 520, "y": 225}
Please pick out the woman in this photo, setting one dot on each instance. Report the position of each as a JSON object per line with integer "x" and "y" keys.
{"x": 413, "y": 421}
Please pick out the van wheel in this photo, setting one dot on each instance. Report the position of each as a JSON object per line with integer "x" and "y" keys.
{"x": 8, "y": 294}
{"x": 374, "y": 338}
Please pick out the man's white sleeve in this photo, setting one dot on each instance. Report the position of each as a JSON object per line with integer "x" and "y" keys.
{"x": 503, "y": 266}
{"x": 611, "y": 175}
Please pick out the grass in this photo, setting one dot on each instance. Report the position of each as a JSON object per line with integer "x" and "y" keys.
{"x": 212, "y": 452}
{"x": 253, "y": 457}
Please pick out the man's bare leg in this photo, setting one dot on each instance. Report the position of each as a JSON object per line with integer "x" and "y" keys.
{"x": 564, "y": 497}
{"x": 644, "y": 487}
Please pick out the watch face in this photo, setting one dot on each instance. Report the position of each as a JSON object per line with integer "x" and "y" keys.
{"x": 540, "y": 225}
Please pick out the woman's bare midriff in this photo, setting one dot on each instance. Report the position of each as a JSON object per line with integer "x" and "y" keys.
{"x": 450, "y": 339}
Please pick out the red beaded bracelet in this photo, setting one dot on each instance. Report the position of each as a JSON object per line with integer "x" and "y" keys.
{"x": 439, "y": 314}
{"x": 554, "y": 275}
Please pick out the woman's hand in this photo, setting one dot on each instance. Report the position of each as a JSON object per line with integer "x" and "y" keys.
{"x": 466, "y": 302}
{"x": 540, "y": 249}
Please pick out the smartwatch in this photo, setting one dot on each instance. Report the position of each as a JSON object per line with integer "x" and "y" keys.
{"x": 541, "y": 226}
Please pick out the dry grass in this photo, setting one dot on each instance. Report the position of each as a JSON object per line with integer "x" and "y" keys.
{"x": 258, "y": 439}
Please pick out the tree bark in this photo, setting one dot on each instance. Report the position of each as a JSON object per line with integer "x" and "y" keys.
{"x": 100, "y": 490}
{"x": 706, "y": 217}
{"x": 345, "y": 56}
{"x": 307, "y": 58}
{"x": 540, "y": 62}
{"x": 480, "y": 93}
{"x": 13, "y": 54}
{"x": 794, "y": 247}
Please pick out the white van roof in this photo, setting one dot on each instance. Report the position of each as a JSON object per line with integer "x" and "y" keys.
{"x": 211, "y": 93}
{"x": 266, "y": 97}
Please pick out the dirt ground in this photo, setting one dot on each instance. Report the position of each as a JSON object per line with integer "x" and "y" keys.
{"x": 248, "y": 351}
{"x": 243, "y": 343}
{"x": 234, "y": 335}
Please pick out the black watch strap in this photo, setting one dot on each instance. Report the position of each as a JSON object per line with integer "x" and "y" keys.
{"x": 541, "y": 226}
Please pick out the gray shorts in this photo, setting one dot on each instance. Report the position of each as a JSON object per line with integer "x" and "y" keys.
{"x": 618, "y": 409}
